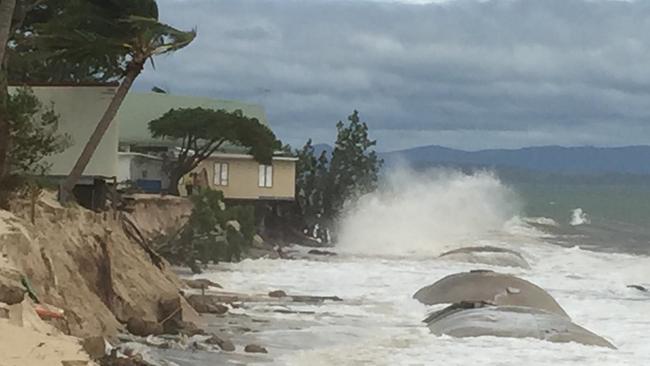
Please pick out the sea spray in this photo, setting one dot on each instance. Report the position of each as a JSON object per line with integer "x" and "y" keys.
{"x": 579, "y": 217}
{"x": 426, "y": 213}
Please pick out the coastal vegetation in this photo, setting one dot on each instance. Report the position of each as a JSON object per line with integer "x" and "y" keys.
{"x": 201, "y": 132}
{"x": 73, "y": 41}
{"x": 327, "y": 186}
{"x": 213, "y": 232}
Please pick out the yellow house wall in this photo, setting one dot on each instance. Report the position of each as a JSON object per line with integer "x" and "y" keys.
{"x": 243, "y": 177}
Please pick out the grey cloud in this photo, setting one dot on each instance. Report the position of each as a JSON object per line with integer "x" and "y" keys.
{"x": 500, "y": 73}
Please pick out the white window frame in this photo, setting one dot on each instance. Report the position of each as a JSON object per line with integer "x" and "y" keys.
{"x": 265, "y": 176}
{"x": 221, "y": 174}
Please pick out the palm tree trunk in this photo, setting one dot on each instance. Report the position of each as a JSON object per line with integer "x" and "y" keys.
{"x": 133, "y": 71}
{"x": 6, "y": 15}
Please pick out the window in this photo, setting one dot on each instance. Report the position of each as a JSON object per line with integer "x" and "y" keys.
{"x": 220, "y": 174}
{"x": 266, "y": 176}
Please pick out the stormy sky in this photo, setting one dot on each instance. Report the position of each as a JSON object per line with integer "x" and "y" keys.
{"x": 460, "y": 73}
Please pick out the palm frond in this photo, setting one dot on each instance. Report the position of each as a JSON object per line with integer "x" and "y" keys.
{"x": 159, "y": 38}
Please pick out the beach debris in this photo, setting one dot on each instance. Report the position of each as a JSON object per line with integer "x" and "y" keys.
{"x": 115, "y": 359}
{"x": 47, "y": 312}
{"x": 310, "y": 299}
{"x": 201, "y": 284}
{"x": 638, "y": 287}
{"x": 30, "y": 290}
{"x": 254, "y": 348}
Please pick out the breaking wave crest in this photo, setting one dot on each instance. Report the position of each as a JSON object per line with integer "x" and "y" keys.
{"x": 426, "y": 213}
{"x": 579, "y": 217}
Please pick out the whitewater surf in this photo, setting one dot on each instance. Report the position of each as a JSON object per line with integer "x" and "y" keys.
{"x": 388, "y": 249}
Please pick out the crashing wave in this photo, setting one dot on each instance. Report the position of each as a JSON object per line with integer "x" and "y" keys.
{"x": 545, "y": 221}
{"x": 579, "y": 217}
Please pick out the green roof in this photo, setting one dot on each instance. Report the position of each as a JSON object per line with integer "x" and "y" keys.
{"x": 140, "y": 108}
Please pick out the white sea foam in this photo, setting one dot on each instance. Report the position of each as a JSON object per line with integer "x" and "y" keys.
{"x": 579, "y": 217}
{"x": 378, "y": 323}
{"x": 546, "y": 221}
{"x": 417, "y": 213}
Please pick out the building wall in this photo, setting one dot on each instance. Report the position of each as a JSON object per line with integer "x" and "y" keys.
{"x": 243, "y": 179}
{"x": 124, "y": 168}
{"x": 80, "y": 109}
{"x": 140, "y": 167}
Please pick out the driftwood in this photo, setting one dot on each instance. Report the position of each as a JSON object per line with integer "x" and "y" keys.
{"x": 134, "y": 233}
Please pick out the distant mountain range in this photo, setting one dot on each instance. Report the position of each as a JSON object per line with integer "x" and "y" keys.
{"x": 584, "y": 160}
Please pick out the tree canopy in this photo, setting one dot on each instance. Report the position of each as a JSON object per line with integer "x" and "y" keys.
{"x": 201, "y": 132}
{"x": 324, "y": 186}
{"x": 34, "y": 134}
{"x": 87, "y": 40}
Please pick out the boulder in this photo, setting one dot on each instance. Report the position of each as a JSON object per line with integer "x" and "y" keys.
{"x": 224, "y": 344}
{"x": 207, "y": 304}
{"x": 479, "y": 319}
{"x": 95, "y": 347}
{"x": 490, "y": 287}
{"x": 177, "y": 316}
{"x": 11, "y": 290}
{"x": 321, "y": 252}
{"x": 143, "y": 328}
{"x": 489, "y": 255}
{"x": 254, "y": 348}
{"x": 277, "y": 294}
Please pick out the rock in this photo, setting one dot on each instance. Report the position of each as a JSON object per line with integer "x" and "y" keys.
{"x": 201, "y": 283}
{"x": 638, "y": 287}
{"x": 114, "y": 360}
{"x": 258, "y": 242}
{"x": 489, "y": 255}
{"x": 11, "y": 291}
{"x": 490, "y": 287}
{"x": 277, "y": 294}
{"x": 178, "y": 317}
{"x": 254, "y": 348}
{"x": 95, "y": 347}
{"x": 143, "y": 328}
{"x": 224, "y": 344}
{"x": 321, "y": 252}
{"x": 75, "y": 363}
{"x": 314, "y": 299}
{"x": 480, "y": 319}
{"x": 207, "y": 304}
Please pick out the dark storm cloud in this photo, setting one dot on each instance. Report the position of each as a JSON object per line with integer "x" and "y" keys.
{"x": 462, "y": 73}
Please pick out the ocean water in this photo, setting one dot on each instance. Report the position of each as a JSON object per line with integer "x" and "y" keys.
{"x": 388, "y": 250}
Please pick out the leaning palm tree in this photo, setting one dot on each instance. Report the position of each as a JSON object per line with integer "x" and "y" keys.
{"x": 6, "y": 15}
{"x": 126, "y": 32}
